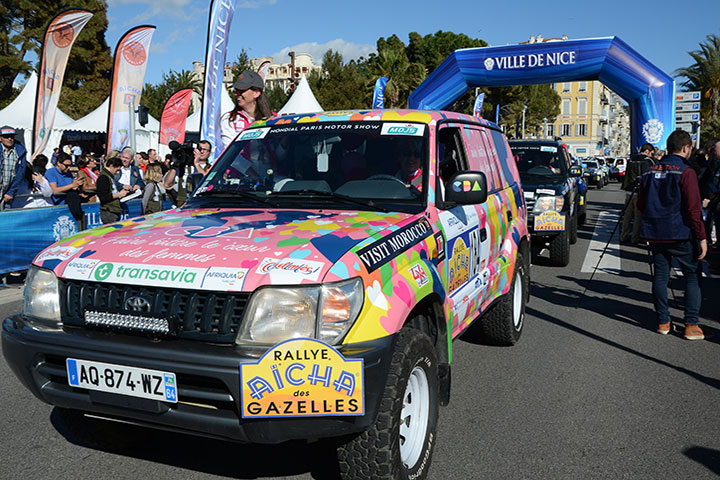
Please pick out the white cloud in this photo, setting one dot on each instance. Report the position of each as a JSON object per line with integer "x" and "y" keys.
{"x": 348, "y": 50}
{"x": 162, "y": 46}
{"x": 155, "y": 9}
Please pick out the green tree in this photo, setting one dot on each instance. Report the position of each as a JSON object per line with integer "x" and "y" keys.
{"x": 704, "y": 75}
{"x": 277, "y": 97}
{"x": 339, "y": 86}
{"x": 22, "y": 27}
{"x": 392, "y": 62}
{"x": 542, "y": 102}
{"x": 432, "y": 49}
{"x": 155, "y": 96}
{"x": 241, "y": 64}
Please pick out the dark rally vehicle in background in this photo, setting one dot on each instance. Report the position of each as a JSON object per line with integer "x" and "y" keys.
{"x": 551, "y": 195}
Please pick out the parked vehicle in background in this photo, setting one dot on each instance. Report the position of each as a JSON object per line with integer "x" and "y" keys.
{"x": 617, "y": 172}
{"x": 582, "y": 192}
{"x": 593, "y": 173}
{"x": 551, "y": 194}
{"x": 310, "y": 288}
{"x": 605, "y": 169}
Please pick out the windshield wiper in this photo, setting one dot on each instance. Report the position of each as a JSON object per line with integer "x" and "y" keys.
{"x": 334, "y": 196}
{"x": 232, "y": 193}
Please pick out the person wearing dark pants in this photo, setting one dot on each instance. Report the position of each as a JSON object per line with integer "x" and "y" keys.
{"x": 669, "y": 199}
{"x": 108, "y": 193}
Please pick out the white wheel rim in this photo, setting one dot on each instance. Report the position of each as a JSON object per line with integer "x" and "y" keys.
{"x": 414, "y": 417}
{"x": 517, "y": 300}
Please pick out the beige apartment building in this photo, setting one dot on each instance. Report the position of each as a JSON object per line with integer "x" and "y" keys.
{"x": 593, "y": 120}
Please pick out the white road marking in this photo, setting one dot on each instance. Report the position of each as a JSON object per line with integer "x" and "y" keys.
{"x": 611, "y": 259}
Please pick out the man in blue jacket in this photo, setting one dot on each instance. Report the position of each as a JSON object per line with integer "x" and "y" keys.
{"x": 669, "y": 199}
{"x": 13, "y": 164}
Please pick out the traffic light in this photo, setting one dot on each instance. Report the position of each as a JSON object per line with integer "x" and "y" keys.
{"x": 143, "y": 115}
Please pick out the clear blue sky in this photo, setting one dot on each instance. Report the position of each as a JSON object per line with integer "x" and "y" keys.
{"x": 661, "y": 30}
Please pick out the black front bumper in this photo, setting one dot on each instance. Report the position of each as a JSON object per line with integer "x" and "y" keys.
{"x": 207, "y": 375}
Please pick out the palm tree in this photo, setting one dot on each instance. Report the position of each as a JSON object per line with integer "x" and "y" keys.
{"x": 704, "y": 75}
{"x": 403, "y": 76}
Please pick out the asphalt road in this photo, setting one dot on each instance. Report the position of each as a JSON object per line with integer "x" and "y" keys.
{"x": 590, "y": 391}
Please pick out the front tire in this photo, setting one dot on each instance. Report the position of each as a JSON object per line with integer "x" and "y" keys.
{"x": 399, "y": 444}
{"x": 503, "y": 324}
{"x": 560, "y": 249}
{"x": 574, "y": 228}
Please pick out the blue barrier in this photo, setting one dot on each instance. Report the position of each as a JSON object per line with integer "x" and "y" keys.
{"x": 29, "y": 231}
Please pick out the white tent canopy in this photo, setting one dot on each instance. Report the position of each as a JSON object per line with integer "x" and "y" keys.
{"x": 21, "y": 111}
{"x": 302, "y": 100}
{"x": 96, "y": 121}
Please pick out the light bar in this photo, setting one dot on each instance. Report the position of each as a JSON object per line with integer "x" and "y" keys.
{"x": 128, "y": 322}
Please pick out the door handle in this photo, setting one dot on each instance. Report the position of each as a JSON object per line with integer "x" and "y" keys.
{"x": 509, "y": 215}
{"x": 483, "y": 234}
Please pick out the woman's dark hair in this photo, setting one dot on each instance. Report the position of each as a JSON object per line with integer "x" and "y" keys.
{"x": 113, "y": 162}
{"x": 39, "y": 164}
{"x": 262, "y": 107}
{"x": 83, "y": 161}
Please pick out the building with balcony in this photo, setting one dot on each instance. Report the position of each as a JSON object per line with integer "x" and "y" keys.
{"x": 286, "y": 75}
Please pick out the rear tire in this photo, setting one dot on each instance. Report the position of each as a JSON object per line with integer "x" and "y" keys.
{"x": 503, "y": 324}
{"x": 560, "y": 249}
{"x": 399, "y": 444}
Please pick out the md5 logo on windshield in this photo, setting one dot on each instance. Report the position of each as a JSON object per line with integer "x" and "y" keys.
{"x": 415, "y": 130}
{"x": 254, "y": 134}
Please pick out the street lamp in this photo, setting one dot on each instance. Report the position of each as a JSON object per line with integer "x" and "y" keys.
{"x": 523, "y": 122}
{"x": 544, "y": 135}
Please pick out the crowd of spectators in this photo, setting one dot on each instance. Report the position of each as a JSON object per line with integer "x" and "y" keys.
{"x": 72, "y": 177}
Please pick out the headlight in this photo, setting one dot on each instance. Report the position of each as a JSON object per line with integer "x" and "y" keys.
{"x": 545, "y": 203}
{"x": 41, "y": 299}
{"x": 325, "y": 312}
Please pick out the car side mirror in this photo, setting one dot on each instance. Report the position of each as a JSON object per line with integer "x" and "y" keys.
{"x": 466, "y": 188}
{"x": 575, "y": 171}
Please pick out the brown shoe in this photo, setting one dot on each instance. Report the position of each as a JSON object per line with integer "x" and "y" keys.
{"x": 664, "y": 328}
{"x": 693, "y": 332}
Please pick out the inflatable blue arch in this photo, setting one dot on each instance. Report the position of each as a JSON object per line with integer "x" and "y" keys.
{"x": 648, "y": 90}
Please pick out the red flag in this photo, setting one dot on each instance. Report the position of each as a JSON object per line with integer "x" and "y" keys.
{"x": 172, "y": 122}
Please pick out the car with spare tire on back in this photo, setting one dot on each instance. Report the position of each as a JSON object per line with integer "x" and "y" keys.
{"x": 551, "y": 194}
{"x": 310, "y": 288}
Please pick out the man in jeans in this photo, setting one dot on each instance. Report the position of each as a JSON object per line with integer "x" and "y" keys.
{"x": 669, "y": 199}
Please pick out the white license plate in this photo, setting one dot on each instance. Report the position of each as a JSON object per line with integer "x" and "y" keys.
{"x": 123, "y": 380}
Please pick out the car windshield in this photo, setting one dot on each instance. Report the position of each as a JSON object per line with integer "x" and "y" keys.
{"x": 539, "y": 160}
{"x": 591, "y": 164}
{"x": 610, "y": 161}
{"x": 344, "y": 165}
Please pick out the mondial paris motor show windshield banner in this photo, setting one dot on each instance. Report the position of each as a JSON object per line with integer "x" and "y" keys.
{"x": 131, "y": 57}
{"x": 221, "y": 14}
{"x": 59, "y": 38}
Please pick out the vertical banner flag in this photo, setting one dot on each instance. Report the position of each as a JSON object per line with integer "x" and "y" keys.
{"x": 221, "y": 14}
{"x": 128, "y": 77}
{"x": 174, "y": 115}
{"x": 263, "y": 69}
{"x": 379, "y": 93}
{"x": 59, "y": 38}
{"x": 477, "y": 109}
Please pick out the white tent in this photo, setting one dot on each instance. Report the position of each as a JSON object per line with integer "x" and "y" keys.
{"x": 21, "y": 111}
{"x": 96, "y": 121}
{"x": 301, "y": 101}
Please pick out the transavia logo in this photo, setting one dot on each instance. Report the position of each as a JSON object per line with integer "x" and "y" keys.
{"x": 103, "y": 272}
{"x": 489, "y": 63}
{"x": 653, "y": 130}
{"x": 63, "y": 227}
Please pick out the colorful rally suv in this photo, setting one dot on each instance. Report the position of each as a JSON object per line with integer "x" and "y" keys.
{"x": 310, "y": 288}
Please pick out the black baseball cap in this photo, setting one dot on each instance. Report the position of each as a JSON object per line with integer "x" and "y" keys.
{"x": 7, "y": 131}
{"x": 249, "y": 79}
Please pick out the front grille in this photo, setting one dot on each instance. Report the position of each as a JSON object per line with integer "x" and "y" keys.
{"x": 201, "y": 315}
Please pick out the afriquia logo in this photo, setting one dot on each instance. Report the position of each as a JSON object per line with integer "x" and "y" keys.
{"x": 63, "y": 227}
{"x": 489, "y": 63}
{"x": 653, "y": 130}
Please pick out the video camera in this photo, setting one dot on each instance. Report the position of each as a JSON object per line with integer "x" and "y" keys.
{"x": 182, "y": 154}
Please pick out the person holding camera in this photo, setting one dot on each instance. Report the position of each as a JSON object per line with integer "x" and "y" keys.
{"x": 669, "y": 199}
{"x": 108, "y": 192}
{"x": 181, "y": 163}
{"x": 202, "y": 156}
{"x": 636, "y": 167}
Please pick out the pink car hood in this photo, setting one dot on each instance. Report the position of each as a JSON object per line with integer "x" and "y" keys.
{"x": 218, "y": 249}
